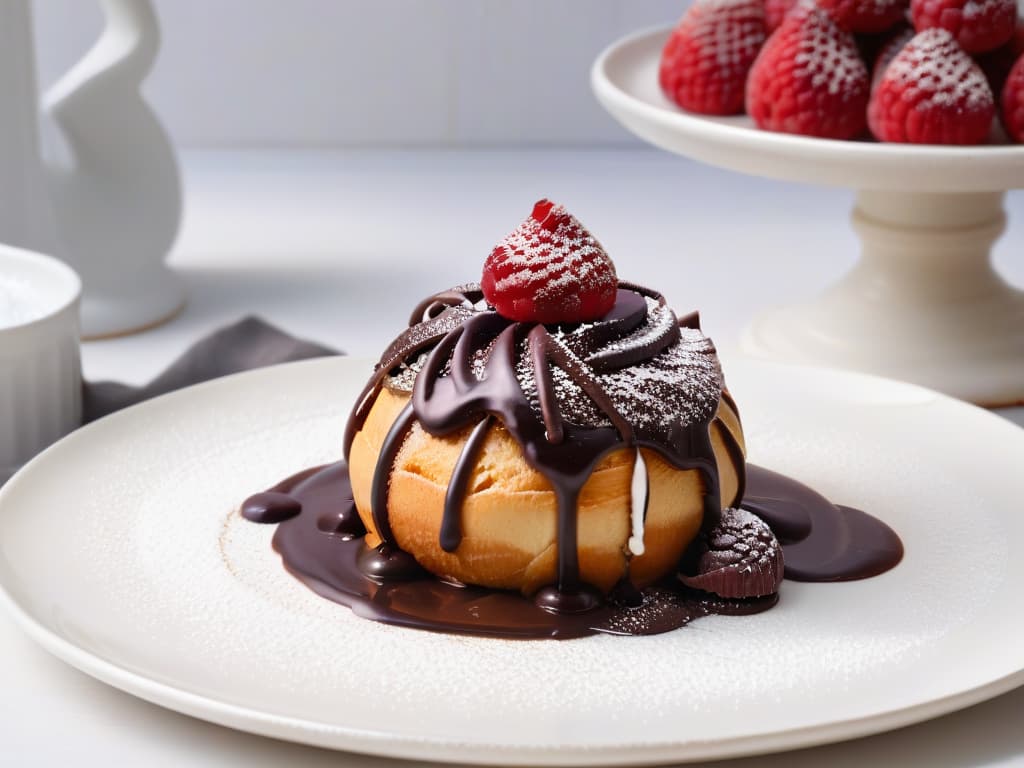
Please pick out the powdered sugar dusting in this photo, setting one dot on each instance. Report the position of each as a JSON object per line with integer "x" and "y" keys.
{"x": 809, "y": 78}
{"x": 729, "y": 31}
{"x": 706, "y": 59}
{"x": 660, "y": 320}
{"x": 827, "y": 57}
{"x": 973, "y": 9}
{"x": 940, "y": 73}
{"x": 543, "y": 261}
{"x": 421, "y": 335}
{"x": 659, "y": 394}
{"x": 740, "y": 557}
{"x": 675, "y": 388}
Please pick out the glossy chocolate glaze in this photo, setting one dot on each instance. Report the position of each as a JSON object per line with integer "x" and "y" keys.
{"x": 451, "y": 520}
{"x": 822, "y": 541}
{"x": 568, "y": 395}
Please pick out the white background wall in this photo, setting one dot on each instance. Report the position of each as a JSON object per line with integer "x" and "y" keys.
{"x": 315, "y": 73}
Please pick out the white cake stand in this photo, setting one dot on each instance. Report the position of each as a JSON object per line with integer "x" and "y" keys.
{"x": 924, "y": 303}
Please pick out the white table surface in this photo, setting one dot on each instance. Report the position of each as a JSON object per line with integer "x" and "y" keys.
{"x": 337, "y": 246}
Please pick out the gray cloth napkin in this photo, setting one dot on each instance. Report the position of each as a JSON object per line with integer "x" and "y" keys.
{"x": 249, "y": 343}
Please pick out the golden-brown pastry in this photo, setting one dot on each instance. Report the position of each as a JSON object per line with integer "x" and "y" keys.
{"x": 509, "y": 513}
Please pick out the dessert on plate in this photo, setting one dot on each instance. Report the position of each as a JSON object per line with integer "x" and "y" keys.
{"x": 552, "y": 452}
{"x": 545, "y": 442}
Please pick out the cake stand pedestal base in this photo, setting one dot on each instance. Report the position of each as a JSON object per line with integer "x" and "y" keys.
{"x": 923, "y": 304}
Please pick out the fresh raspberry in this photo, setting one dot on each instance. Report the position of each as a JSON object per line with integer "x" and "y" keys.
{"x": 978, "y": 25}
{"x": 550, "y": 269}
{"x": 932, "y": 93}
{"x": 809, "y": 78}
{"x": 775, "y": 11}
{"x": 705, "y": 62}
{"x": 997, "y": 64}
{"x": 888, "y": 52}
{"x": 868, "y": 16}
{"x": 1013, "y": 102}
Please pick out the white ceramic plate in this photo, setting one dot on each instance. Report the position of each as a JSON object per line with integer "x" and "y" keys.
{"x": 625, "y": 80}
{"x": 121, "y": 553}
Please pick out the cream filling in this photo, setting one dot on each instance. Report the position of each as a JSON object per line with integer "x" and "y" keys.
{"x": 638, "y": 504}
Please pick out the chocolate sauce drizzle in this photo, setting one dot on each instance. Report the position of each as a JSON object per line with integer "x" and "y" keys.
{"x": 466, "y": 365}
{"x": 569, "y": 396}
{"x": 382, "y": 474}
{"x": 451, "y": 521}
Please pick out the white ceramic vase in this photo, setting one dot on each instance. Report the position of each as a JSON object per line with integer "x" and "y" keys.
{"x": 112, "y": 208}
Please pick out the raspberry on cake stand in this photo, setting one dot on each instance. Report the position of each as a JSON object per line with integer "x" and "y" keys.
{"x": 924, "y": 303}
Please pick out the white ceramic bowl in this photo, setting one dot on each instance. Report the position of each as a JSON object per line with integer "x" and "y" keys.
{"x": 40, "y": 366}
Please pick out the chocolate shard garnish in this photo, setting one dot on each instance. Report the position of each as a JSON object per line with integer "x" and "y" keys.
{"x": 692, "y": 321}
{"x": 739, "y": 557}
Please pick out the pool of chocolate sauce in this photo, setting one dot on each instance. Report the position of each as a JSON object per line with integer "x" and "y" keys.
{"x": 568, "y": 395}
{"x": 320, "y": 540}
